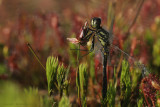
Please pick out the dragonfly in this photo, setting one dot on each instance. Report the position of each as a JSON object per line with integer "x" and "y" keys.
{"x": 105, "y": 38}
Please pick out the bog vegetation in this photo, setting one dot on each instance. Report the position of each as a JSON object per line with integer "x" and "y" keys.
{"x": 62, "y": 78}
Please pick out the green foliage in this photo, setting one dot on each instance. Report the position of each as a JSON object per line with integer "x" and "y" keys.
{"x": 125, "y": 84}
{"x": 83, "y": 82}
{"x": 114, "y": 78}
{"x": 78, "y": 83}
{"x": 103, "y": 102}
{"x": 48, "y": 102}
{"x": 157, "y": 23}
{"x": 51, "y": 72}
{"x": 149, "y": 37}
{"x": 64, "y": 102}
{"x": 11, "y": 95}
{"x": 135, "y": 73}
{"x": 111, "y": 94}
{"x": 72, "y": 53}
{"x": 5, "y": 51}
{"x": 3, "y": 69}
{"x": 110, "y": 13}
{"x": 156, "y": 53}
{"x": 31, "y": 91}
{"x": 32, "y": 96}
{"x": 56, "y": 74}
{"x": 66, "y": 87}
{"x": 140, "y": 102}
{"x": 158, "y": 98}
{"x": 61, "y": 76}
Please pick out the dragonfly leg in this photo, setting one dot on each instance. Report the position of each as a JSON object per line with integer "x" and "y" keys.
{"x": 79, "y": 49}
{"x": 86, "y": 54}
{"x": 91, "y": 49}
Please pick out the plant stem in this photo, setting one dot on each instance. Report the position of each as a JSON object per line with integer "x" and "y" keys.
{"x": 31, "y": 49}
{"x": 135, "y": 18}
{"x": 77, "y": 76}
{"x": 142, "y": 87}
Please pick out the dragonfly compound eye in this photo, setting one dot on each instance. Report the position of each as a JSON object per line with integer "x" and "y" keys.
{"x": 95, "y": 22}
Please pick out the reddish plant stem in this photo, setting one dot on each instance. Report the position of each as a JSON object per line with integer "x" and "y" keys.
{"x": 144, "y": 93}
{"x": 135, "y": 18}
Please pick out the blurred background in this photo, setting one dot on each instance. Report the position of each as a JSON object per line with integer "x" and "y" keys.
{"x": 46, "y": 24}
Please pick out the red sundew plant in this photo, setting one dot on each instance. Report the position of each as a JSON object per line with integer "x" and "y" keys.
{"x": 150, "y": 85}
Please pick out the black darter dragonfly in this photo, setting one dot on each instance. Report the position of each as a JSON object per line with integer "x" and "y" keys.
{"x": 105, "y": 38}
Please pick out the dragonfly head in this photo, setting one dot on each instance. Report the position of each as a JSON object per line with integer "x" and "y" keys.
{"x": 95, "y": 22}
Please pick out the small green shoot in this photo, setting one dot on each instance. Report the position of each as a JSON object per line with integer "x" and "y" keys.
{"x": 64, "y": 102}
{"x": 83, "y": 83}
{"x": 125, "y": 84}
{"x": 51, "y": 73}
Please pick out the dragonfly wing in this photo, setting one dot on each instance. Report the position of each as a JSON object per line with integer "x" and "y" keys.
{"x": 111, "y": 36}
{"x": 132, "y": 61}
{"x": 111, "y": 26}
{"x": 118, "y": 53}
{"x": 109, "y": 59}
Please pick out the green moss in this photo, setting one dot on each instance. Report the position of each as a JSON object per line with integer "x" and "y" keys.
{"x": 11, "y": 95}
{"x": 83, "y": 82}
{"x": 111, "y": 94}
{"x": 51, "y": 73}
{"x": 64, "y": 102}
{"x": 156, "y": 53}
{"x": 125, "y": 84}
{"x": 3, "y": 69}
